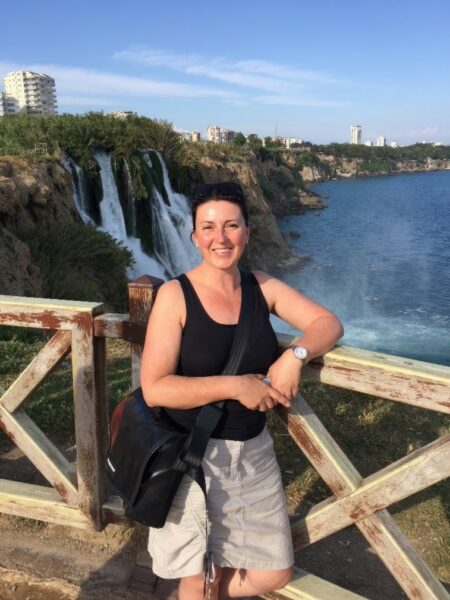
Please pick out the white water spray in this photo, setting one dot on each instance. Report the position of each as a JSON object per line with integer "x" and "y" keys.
{"x": 78, "y": 189}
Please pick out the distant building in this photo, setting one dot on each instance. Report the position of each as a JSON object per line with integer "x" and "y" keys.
{"x": 213, "y": 134}
{"x": 355, "y": 134}
{"x": 381, "y": 141}
{"x": 33, "y": 93}
{"x": 288, "y": 142}
{"x": 8, "y": 105}
{"x": 123, "y": 114}
{"x": 219, "y": 135}
{"x": 393, "y": 144}
{"x": 368, "y": 143}
{"x": 196, "y": 137}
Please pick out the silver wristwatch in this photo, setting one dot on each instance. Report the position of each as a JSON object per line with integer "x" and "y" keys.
{"x": 300, "y": 352}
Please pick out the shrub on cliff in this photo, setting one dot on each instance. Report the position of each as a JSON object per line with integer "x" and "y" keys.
{"x": 79, "y": 134}
{"x": 79, "y": 262}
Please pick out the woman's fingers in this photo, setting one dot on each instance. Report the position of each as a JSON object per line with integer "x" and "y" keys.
{"x": 278, "y": 397}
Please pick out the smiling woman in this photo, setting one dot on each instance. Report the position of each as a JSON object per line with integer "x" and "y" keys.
{"x": 221, "y": 231}
{"x": 190, "y": 333}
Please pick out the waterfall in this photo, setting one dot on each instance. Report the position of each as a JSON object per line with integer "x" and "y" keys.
{"x": 171, "y": 226}
{"x": 110, "y": 209}
{"x": 78, "y": 189}
{"x": 173, "y": 251}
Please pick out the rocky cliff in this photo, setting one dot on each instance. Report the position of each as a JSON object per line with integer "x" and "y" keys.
{"x": 331, "y": 167}
{"x": 32, "y": 195}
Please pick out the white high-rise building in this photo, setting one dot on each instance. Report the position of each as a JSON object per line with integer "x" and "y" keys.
{"x": 8, "y": 105}
{"x": 355, "y": 134}
{"x": 34, "y": 93}
{"x": 381, "y": 141}
{"x": 213, "y": 134}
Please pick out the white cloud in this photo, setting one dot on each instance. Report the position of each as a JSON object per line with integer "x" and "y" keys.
{"x": 259, "y": 74}
{"x": 76, "y": 81}
{"x": 232, "y": 82}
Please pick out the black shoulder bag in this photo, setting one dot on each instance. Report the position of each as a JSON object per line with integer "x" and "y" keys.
{"x": 147, "y": 459}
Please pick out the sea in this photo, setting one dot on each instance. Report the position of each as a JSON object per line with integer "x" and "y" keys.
{"x": 379, "y": 257}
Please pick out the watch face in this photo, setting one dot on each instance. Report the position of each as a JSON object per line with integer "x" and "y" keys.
{"x": 300, "y": 353}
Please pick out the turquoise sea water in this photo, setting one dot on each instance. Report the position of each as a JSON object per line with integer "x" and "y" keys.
{"x": 380, "y": 258}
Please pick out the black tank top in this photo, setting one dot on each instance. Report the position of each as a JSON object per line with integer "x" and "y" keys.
{"x": 205, "y": 347}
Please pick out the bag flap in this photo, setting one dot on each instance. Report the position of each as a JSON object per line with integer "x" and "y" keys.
{"x": 136, "y": 433}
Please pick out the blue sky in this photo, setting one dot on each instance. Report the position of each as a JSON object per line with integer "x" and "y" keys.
{"x": 292, "y": 68}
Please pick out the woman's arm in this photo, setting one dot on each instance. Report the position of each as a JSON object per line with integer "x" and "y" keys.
{"x": 321, "y": 330}
{"x": 162, "y": 387}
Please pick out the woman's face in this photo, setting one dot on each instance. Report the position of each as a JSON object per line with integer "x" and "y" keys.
{"x": 220, "y": 233}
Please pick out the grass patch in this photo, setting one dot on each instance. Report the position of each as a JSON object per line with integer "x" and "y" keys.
{"x": 372, "y": 432}
{"x": 51, "y": 405}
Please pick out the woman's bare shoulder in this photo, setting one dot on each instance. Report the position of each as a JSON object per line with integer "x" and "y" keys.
{"x": 170, "y": 298}
{"x": 268, "y": 285}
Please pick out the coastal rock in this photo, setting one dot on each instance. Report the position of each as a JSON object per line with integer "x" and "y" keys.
{"x": 312, "y": 173}
{"x": 311, "y": 200}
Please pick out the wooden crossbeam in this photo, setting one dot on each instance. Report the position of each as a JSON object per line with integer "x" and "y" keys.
{"x": 41, "y": 452}
{"x": 401, "y": 479}
{"x": 39, "y": 502}
{"x": 39, "y": 368}
{"x": 305, "y": 586}
{"x": 43, "y": 313}
{"x": 381, "y": 531}
{"x": 401, "y": 379}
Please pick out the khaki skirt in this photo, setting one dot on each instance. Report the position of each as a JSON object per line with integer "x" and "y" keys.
{"x": 248, "y": 524}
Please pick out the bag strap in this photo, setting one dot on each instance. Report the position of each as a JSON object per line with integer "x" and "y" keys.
{"x": 193, "y": 450}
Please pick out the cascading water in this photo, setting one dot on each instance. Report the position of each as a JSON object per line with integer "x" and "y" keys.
{"x": 78, "y": 189}
{"x": 171, "y": 226}
{"x": 110, "y": 208}
{"x": 173, "y": 251}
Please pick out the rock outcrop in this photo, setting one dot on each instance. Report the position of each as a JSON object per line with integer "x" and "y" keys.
{"x": 32, "y": 195}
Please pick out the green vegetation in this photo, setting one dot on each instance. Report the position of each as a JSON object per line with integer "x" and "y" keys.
{"x": 79, "y": 262}
{"x": 414, "y": 152}
{"x": 78, "y": 135}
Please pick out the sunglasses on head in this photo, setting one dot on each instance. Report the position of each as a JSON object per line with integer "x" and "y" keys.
{"x": 225, "y": 190}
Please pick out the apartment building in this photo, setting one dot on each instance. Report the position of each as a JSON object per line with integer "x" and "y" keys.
{"x": 381, "y": 141}
{"x": 33, "y": 93}
{"x": 355, "y": 134}
{"x": 219, "y": 135}
{"x": 8, "y": 105}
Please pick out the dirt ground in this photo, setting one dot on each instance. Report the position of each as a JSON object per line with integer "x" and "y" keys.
{"x": 39, "y": 561}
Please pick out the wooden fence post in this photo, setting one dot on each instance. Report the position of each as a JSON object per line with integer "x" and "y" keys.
{"x": 90, "y": 408}
{"x": 141, "y": 294}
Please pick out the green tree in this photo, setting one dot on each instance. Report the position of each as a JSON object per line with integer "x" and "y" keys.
{"x": 239, "y": 139}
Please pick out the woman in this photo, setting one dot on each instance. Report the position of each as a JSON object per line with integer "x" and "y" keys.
{"x": 188, "y": 339}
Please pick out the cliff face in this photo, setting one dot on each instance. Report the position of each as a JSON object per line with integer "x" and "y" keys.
{"x": 36, "y": 196}
{"x": 358, "y": 167}
{"x": 31, "y": 196}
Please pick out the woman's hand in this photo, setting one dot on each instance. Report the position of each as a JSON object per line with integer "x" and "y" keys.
{"x": 256, "y": 394}
{"x": 285, "y": 374}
